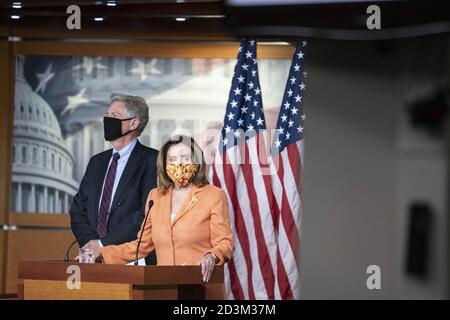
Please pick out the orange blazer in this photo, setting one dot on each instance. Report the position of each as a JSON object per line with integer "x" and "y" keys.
{"x": 202, "y": 225}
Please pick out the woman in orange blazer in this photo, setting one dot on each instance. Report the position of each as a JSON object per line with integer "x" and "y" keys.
{"x": 189, "y": 223}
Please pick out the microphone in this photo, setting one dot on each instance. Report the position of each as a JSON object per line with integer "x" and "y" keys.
{"x": 66, "y": 257}
{"x": 150, "y": 205}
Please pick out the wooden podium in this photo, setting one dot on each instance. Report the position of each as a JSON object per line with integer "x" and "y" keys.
{"x": 54, "y": 280}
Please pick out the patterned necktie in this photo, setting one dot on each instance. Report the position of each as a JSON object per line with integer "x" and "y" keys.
{"x": 102, "y": 222}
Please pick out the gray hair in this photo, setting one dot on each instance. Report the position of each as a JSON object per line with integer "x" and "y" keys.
{"x": 135, "y": 106}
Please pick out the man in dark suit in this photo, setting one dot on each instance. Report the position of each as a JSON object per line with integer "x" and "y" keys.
{"x": 109, "y": 206}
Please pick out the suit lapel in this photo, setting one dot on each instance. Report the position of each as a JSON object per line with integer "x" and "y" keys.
{"x": 190, "y": 202}
{"x": 100, "y": 177}
{"x": 166, "y": 205}
{"x": 133, "y": 164}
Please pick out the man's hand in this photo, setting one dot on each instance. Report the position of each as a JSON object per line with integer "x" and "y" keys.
{"x": 207, "y": 262}
{"x": 94, "y": 247}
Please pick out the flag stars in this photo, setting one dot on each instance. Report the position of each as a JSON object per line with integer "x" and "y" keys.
{"x": 248, "y": 117}
{"x": 303, "y": 117}
{"x": 287, "y": 105}
{"x": 245, "y": 96}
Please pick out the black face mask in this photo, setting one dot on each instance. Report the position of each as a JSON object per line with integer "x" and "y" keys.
{"x": 113, "y": 128}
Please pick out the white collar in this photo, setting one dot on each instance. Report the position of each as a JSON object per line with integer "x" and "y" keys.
{"x": 127, "y": 149}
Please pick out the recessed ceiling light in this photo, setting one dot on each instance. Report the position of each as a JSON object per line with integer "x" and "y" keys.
{"x": 180, "y": 19}
{"x": 111, "y": 3}
{"x": 17, "y": 5}
{"x": 15, "y": 17}
{"x": 99, "y": 19}
{"x": 14, "y": 39}
{"x": 275, "y": 43}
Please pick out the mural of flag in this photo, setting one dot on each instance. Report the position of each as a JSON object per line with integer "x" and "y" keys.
{"x": 287, "y": 164}
{"x": 241, "y": 169}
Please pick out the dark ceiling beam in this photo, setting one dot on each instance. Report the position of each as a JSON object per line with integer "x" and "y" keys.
{"x": 118, "y": 28}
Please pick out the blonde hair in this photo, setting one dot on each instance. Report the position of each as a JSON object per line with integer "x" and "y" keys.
{"x": 200, "y": 178}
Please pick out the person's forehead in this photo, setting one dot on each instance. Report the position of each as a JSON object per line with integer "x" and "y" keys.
{"x": 177, "y": 149}
{"x": 116, "y": 107}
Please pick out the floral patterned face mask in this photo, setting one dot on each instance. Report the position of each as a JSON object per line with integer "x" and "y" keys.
{"x": 181, "y": 173}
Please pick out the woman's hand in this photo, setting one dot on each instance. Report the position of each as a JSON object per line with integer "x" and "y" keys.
{"x": 208, "y": 261}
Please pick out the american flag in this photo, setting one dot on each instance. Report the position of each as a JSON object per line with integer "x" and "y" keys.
{"x": 287, "y": 166}
{"x": 243, "y": 168}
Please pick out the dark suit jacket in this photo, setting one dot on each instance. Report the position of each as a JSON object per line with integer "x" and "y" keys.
{"x": 127, "y": 207}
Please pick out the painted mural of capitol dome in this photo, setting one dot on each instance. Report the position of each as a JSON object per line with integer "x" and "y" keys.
{"x": 42, "y": 164}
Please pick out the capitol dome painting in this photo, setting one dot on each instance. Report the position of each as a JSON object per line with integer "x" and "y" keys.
{"x": 42, "y": 163}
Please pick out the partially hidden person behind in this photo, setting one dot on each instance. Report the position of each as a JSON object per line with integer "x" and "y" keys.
{"x": 109, "y": 206}
{"x": 189, "y": 223}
